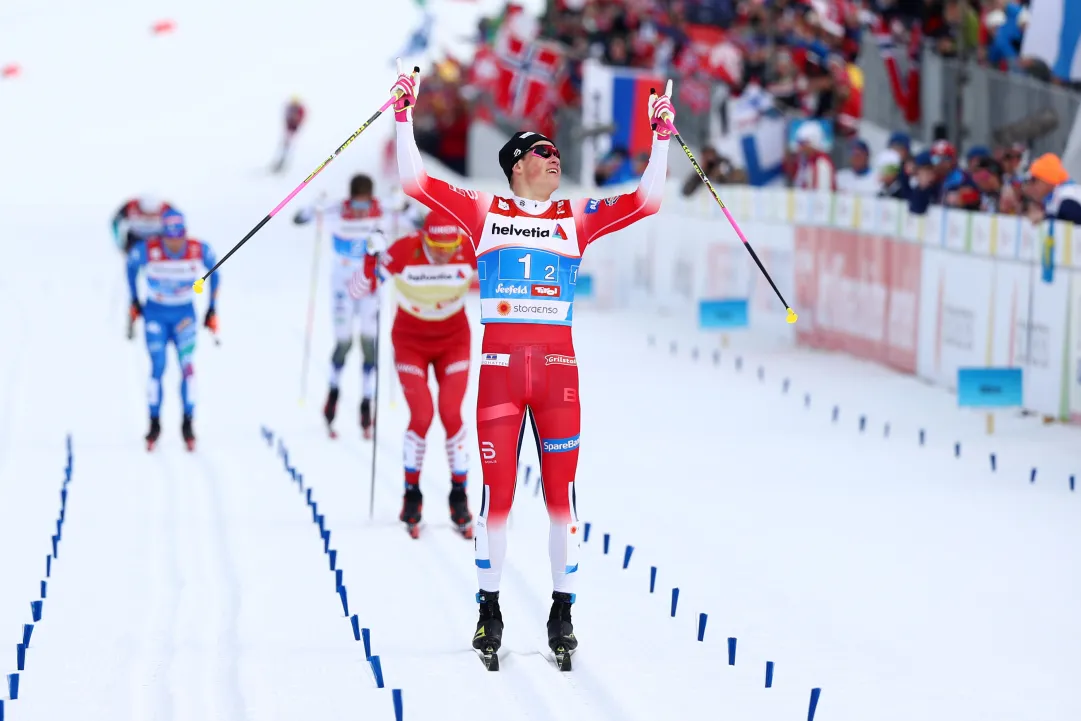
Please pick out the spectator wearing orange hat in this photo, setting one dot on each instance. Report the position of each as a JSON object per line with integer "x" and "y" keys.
{"x": 1056, "y": 196}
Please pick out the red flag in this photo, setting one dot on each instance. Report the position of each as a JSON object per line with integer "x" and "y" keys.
{"x": 526, "y": 75}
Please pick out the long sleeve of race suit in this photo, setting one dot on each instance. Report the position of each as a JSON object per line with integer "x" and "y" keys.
{"x": 136, "y": 261}
{"x": 596, "y": 218}
{"x": 467, "y": 207}
{"x": 210, "y": 260}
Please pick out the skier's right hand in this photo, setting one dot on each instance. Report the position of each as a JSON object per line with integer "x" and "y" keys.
{"x": 135, "y": 310}
{"x": 405, "y": 89}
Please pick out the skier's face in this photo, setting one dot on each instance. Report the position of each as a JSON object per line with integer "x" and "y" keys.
{"x": 541, "y": 168}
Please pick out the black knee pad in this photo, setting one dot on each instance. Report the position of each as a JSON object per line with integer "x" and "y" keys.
{"x": 367, "y": 347}
{"x": 340, "y": 352}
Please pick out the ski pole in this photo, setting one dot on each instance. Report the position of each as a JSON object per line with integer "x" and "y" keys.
{"x": 375, "y": 411}
{"x": 311, "y": 298}
{"x": 197, "y": 286}
{"x": 791, "y": 316}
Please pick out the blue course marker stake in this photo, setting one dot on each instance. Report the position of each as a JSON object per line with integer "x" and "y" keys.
{"x": 1032, "y": 476}
{"x": 366, "y": 636}
{"x": 55, "y": 549}
{"x": 20, "y": 657}
{"x": 694, "y": 353}
{"x": 28, "y": 630}
{"x": 607, "y": 537}
{"x": 345, "y": 599}
{"x": 48, "y": 566}
{"x": 672, "y": 347}
{"x": 836, "y": 412}
{"x": 396, "y": 694}
{"x": 326, "y": 542}
{"x": 863, "y": 423}
{"x": 377, "y": 670}
{"x": 315, "y": 512}
{"x": 627, "y": 555}
{"x": 35, "y": 610}
{"x": 739, "y": 363}
{"x": 319, "y": 519}
{"x": 993, "y": 462}
{"x": 13, "y": 686}
{"x": 806, "y": 400}
{"x": 923, "y": 436}
{"x": 815, "y": 693}
{"x": 784, "y": 386}
{"x": 43, "y": 587}
{"x": 525, "y": 481}
{"x": 585, "y": 535}
{"x": 716, "y": 357}
{"x": 652, "y": 578}
{"x": 1072, "y": 482}
{"x": 308, "y": 494}
{"x": 731, "y": 652}
{"x": 63, "y": 497}
{"x": 338, "y": 578}
{"x": 957, "y": 450}
{"x": 886, "y": 432}
{"x": 333, "y": 555}
{"x": 1, "y": 710}
{"x": 675, "y": 600}
{"x": 761, "y": 373}
{"x": 701, "y": 626}
{"x": 355, "y": 622}
{"x": 769, "y": 674}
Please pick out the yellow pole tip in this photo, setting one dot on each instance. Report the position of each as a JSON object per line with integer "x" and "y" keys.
{"x": 197, "y": 286}
{"x": 791, "y": 317}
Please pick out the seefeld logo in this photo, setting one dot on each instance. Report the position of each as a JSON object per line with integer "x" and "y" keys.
{"x": 511, "y": 289}
{"x": 562, "y": 445}
{"x": 528, "y": 232}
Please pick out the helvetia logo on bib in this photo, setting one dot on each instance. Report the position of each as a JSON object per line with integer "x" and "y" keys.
{"x": 558, "y": 233}
{"x": 503, "y": 308}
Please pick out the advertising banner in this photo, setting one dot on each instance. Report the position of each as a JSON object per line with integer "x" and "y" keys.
{"x": 858, "y": 294}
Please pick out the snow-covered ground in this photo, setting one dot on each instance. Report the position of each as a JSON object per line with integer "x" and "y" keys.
{"x": 902, "y": 581}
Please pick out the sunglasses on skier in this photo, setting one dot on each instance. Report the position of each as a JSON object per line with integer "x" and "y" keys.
{"x": 443, "y": 244}
{"x": 545, "y": 151}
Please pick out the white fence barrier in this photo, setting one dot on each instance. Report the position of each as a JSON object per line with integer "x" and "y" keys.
{"x": 923, "y": 294}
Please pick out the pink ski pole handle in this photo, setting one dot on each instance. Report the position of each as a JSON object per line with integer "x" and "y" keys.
{"x": 197, "y": 286}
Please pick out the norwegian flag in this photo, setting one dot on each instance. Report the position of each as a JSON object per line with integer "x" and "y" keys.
{"x": 906, "y": 95}
{"x": 526, "y": 76}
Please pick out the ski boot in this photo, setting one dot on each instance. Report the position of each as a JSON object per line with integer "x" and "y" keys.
{"x": 153, "y": 433}
{"x": 459, "y": 510}
{"x": 188, "y": 433}
{"x": 330, "y": 408}
{"x": 489, "y": 635}
{"x": 560, "y": 629}
{"x": 366, "y": 418}
{"x": 412, "y": 503}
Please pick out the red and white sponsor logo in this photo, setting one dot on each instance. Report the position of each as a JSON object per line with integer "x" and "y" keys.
{"x": 556, "y": 359}
{"x": 546, "y": 291}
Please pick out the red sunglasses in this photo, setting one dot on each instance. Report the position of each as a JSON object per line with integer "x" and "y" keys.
{"x": 545, "y": 151}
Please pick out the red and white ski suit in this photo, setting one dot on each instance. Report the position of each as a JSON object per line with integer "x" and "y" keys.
{"x": 528, "y": 254}
{"x": 431, "y": 329}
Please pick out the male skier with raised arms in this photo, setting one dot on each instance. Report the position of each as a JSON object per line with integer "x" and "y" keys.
{"x": 528, "y": 249}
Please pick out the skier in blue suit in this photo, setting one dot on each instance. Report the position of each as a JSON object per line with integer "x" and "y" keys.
{"x": 172, "y": 262}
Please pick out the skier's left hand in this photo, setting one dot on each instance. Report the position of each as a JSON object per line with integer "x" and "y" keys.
{"x": 662, "y": 114}
{"x": 211, "y": 320}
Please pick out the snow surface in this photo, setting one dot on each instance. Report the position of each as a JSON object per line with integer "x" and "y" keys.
{"x": 902, "y": 581}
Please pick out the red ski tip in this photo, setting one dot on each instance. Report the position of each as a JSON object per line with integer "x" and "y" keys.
{"x": 414, "y": 532}
{"x": 163, "y": 26}
{"x": 467, "y": 532}
{"x": 191, "y": 445}
{"x": 11, "y": 70}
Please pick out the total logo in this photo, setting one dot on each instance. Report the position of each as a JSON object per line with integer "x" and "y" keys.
{"x": 546, "y": 291}
{"x": 504, "y": 289}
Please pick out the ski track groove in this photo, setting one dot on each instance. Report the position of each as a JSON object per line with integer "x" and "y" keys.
{"x": 521, "y": 664}
{"x": 229, "y": 606}
{"x": 162, "y": 640}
